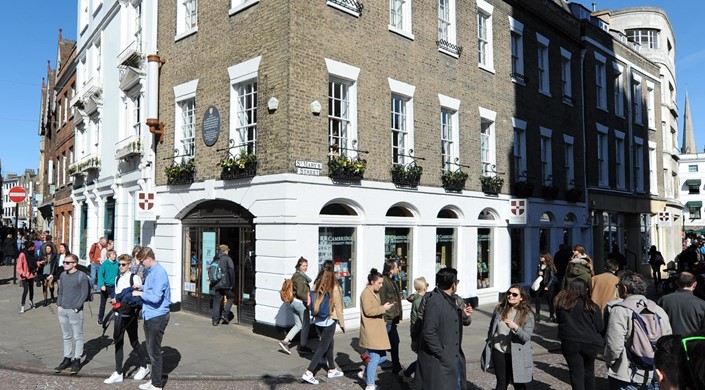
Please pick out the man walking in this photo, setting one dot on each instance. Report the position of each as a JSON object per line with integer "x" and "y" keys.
{"x": 389, "y": 293}
{"x": 156, "y": 299}
{"x": 94, "y": 255}
{"x": 223, "y": 287}
{"x": 74, "y": 288}
{"x": 622, "y": 373}
{"x": 604, "y": 285}
{"x": 686, "y": 312}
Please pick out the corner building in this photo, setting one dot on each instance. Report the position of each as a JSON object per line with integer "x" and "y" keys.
{"x": 268, "y": 112}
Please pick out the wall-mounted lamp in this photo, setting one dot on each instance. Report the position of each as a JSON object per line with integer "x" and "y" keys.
{"x": 316, "y": 107}
{"x": 273, "y": 104}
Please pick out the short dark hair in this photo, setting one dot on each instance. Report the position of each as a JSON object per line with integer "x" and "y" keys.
{"x": 144, "y": 253}
{"x": 612, "y": 264}
{"x": 685, "y": 279}
{"x": 633, "y": 282}
{"x": 29, "y": 244}
{"x": 388, "y": 265}
{"x": 666, "y": 357}
{"x": 72, "y": 256}
{"x": 445, "y": 277}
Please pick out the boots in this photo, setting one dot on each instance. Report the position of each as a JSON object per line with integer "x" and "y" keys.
{"x": 63, "y": 365}
{"x": 75, "y": 366}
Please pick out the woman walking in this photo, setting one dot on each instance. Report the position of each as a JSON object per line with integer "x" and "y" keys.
{"x": 300, "y": 304}
{"x": 509, "y": 338}
{"x": 327, "y": 312}
{"x": 27, "y": 270}
{"x": 579, "y": 328}
{"x": 373, "y": 329}
{"x": 421, "y": 287}
{"x": 126, "y": 320}
{"x": 580, "y": 266}
{"x": 51, "y": 262}
{"x": 656, "y": 261}
{"x": 547, "y": 289}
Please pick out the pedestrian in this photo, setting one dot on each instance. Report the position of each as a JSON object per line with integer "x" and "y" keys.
{"x": 74, "y": 287}
{"x": 106, "y": 281}
{"x": 27, "y": 266}
{"x": 300, "y": 305}
{"x": 421, "y": 287}
{"x": 126, "y": 321}
{"x": 327, "y": 312}
{"x": 579, "y": 266}
{"x": 656, "y": 261}
{"x": 441, "y": 360}
{"x": 561, "y": 259}
{"x": 156, "y": 301}
{"x": 686, "y": 312}
{"x": 136, "y": 266}
{"x": 9, "y": 250}
{"x": 621, "y": 372}
{"x": 604, "y": 285}
{"x": 691, "y": 362}
{"x": 390, "y": 293}
{"x": 579, "y": 329}
{"x": 666, "y": 362}
{"x": 509, "y": 339}
{"x": 50, "y": 258}
{"x": 547, "y": 288}
{"x": 373, "y": 329}
{"x": 94, "y": 255}
{"x": 616, "y": 254}
{"x": 223, "y": 287}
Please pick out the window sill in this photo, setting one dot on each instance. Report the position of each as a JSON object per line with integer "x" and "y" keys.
{"x": 603, "y": 109}
{"x": 486, "y": 68}
{"x": 403, "y": 33}
{"x": 450, "y": 53}
{"x": 341, "y": 8}
{"x": 185, "y": 34}
{"x": 568, "y": 100}
{"x": 545, "y": 93}
{"x": 519, "y": 82}
{"x": 242, "y": 7}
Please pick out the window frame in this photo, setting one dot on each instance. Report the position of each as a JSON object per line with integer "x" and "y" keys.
{"x": 405, "y": 26}
{"x": 653, "y": 167}
{"x": 639, "y": 165}
{"x": 620, "y": 161}
{"x": 488, "y": 142}
{"x": 339, "y": 72}
{"x": 450, "y": 28}
{"x": 546, "y": 155}
{"x": 183, "y": 93}
{"x": 603, "y": 177}
{"x": 486, "y": 62}
{"x": 449, "y": 110}
{"x": 240, "y": 5}
{"x": 637, "y": 103}
{"x": 600, "y": 81}
{"x": 519, "y": 151}
{"x": 618, "y": 89}
{"x": 182, "y": 28}
{"x": 566, "y": 76}
{"x": 543, "y": 64}
{"x": 240, "y": 75}
{"x": 404, "y": 92}
{"x": 569, "y": 160}
{"x": 650, "y": 105}
{"x": 516, "y": 38}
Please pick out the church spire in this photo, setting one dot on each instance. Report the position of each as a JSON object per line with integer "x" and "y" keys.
{"x": 688, "y": 132}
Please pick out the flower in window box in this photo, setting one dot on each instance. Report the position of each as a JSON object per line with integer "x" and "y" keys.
{"x": 341, "y": 167}
{"x": 406, "y": 174}
{"x": 181, "y": 173}
{"x": 523, "y": 189}
{"x": 454, "y": 181}
{"x": 240, "y": 166}
{"x": 491, "y": 184}
{"x": 573, "y": 194}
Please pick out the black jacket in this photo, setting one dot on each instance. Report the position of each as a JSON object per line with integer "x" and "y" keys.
{"x": 580, "y": 325}
{"x": 390, "y": 293}
{"x": 228, "y": 268}
{"x": 9, "y": 248}
{"x": 686, "y": 312}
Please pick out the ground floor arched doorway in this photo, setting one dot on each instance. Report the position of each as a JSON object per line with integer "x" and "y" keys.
{"x": 208, "y": 225}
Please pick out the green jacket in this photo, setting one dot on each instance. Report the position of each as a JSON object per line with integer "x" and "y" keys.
{"x": 301, "y": 286}
{"x": 390, "y": 293}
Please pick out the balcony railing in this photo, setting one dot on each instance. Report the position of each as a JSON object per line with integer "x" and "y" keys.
{"x": 129, "y": 147}
{"x": 132, "y": 55}
{"x": 449, "y": 47}
{"x": 349, "y": 5}
{"x": 90, "y": 163}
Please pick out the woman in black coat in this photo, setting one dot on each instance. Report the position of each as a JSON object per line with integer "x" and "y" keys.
{"x": 547, "y": 290}
{"x": 50, "y": 259}
{"x": 579, "y": 327}
{"x": 9, "y": 250}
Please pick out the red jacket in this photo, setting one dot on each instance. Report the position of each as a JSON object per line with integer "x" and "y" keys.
{"x": 23, "y": 269}
{"x": 94, "y": 253}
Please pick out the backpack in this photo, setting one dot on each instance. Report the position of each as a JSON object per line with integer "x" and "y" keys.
{"x": 287, "y": 291}
{"x": 323, "y": 311}
{"x": 646, "y": 330}
{"x": 215, "y": 273}
{"x": 90, "y": 285}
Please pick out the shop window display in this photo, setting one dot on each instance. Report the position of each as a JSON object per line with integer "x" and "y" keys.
{"x": 445, "y": 248}
{"x": 397, "y": 246}
{"x": 338, "y": 244}
{"x": 484, "y": 258}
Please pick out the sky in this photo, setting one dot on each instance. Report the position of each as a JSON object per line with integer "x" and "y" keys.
{"x": 32, "y": 36}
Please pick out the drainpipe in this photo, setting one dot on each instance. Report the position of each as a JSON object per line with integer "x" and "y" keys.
{"x": 156, "y": 127}
{"x": 583, "y": 52}
{"x": 630, "y": 130}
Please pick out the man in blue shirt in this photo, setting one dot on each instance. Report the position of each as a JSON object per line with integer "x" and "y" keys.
{"x": 156, "y": 299}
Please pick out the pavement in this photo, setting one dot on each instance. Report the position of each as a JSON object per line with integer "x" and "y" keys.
{"x": 194, "y": 349}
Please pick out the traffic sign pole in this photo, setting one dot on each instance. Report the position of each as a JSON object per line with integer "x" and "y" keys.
{"x": 17, "y": 235}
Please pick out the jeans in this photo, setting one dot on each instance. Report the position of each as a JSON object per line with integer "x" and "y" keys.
{"x": 9, "y": 260}
{"x": 217, "y": 298}
{"x": 394, "y": 341}
{"x": 104, "y": 295}
{"x": 27, "y": 286}
{"x": 581, "y": 363}
{"x": 94, "y": 275}
{"x": 503, "y": 371}
{"x": 72, "y": 328}
{"x": 615, "y": 384}
{"x": 325, "y": 347}
{"x": 153, "y": 334}
{"x": 376, "y": 358}
{"x": 302, "y": 321}
{"x": 121, "y": 325}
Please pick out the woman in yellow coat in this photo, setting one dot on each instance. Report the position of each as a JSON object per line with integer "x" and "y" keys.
{"x": 373, "y": 329}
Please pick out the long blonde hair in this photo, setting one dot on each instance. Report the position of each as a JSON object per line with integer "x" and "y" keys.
{"x": 324, "y": 285}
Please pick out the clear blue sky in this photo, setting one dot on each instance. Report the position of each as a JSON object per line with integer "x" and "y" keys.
{"x": 32, "y": 34}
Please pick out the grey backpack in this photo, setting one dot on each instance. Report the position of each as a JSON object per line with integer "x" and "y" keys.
{"x": 646, "y": 330}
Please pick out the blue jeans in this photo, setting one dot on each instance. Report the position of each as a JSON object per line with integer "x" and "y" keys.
{"x": 302, "y": 321}
{"x": 394, "y": 341}
{"x": 376, "y": 358}
{"x": 153, "y": 334}
{"x": 72, "y": 329}
{"x": 615, "y": 384}
{"x": 94, "y": 275}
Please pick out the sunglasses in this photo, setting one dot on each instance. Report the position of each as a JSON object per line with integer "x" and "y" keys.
{"x": 69, "y": 262}
{"x": 513, "y": 294}
{"x": 685, "y": 344}
{"x": 123, "y": 264}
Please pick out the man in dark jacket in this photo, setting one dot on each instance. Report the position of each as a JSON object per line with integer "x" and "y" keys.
{"x": 685, "y": 311}
{"x": 441, "y": 361}
{"x": 224, "y": 287}
{"x": 390, "y": 293}
{"x": 9, "y": 250}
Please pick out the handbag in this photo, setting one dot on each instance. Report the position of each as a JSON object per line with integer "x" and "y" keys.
{"x": 486, "y": 356}
{"x": 536, "y": 285}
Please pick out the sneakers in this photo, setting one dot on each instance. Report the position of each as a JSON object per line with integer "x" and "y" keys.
{"x": 99, "y": 322}
{"x": 142, "y": 373}
{"x": 63, "y": 365}
{"x": 361, "y": 375}
{"x": 75, "y": 366}
{"x": 114, "y": 378}
{"x": 31, "y": 305}
{"x": 306, "y": 377}
{"x": 224, "y": 320}
{"x": 285, "y": 346}
{"x": 21, "y": 309}
{"x": 335, "y": 373}
{"x": 305, "y": 350}
{"x": 149, "y": 386}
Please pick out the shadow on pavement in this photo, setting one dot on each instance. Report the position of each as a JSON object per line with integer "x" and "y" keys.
{"x": 93, "y": 347}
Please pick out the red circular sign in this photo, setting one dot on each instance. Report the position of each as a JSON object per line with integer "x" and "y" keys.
{"x": 17, "y": 194}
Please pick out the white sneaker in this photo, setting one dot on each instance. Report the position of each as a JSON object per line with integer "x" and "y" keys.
{"x": 115, "y": 378}
{"x": 361, "y": 375}
{"x": 309, "y": 378}
{"x": 335, "y": 373}
{"x": 146, "y": 385}
{"x": 142, "y": 373}
{"x": 21, "y": 309}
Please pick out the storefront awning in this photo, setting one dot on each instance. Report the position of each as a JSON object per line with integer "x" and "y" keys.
{"x": 694, "y": 204}
{"x": 692, "y": 182}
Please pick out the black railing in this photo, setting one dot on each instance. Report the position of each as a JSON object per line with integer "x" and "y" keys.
{"x": 180, "y": 173}
{"x": 519, "y": 77}
{"x": 454, "y": 181}
{"x": 352, "y": 5}
{"x": 238, "y": 166}
{"x": 449, "y": 47}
